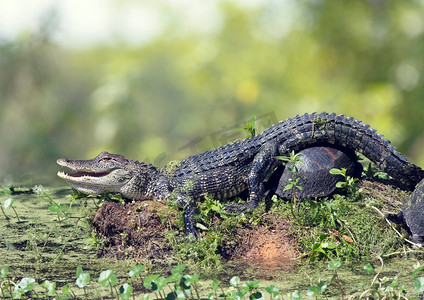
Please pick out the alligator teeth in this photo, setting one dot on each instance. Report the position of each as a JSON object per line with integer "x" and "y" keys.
{"x": 62, "y": 174}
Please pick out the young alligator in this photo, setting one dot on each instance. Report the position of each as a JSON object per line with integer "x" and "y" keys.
{"x": 228, "y": 170}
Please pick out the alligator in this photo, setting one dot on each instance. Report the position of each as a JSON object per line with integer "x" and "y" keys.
{"x": 228, "y": 170}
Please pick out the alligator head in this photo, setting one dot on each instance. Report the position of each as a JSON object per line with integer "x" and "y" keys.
{"x": 108, "y": 173}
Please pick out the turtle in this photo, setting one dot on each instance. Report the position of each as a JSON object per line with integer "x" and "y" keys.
{"x": 314, "y": 172}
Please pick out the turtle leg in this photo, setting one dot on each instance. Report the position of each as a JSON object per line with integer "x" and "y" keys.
{"x": 262, "y": 164}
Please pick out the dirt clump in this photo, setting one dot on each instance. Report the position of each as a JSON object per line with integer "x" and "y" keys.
{"x": 271, "y": 246}
{"x": 134, "y": 229}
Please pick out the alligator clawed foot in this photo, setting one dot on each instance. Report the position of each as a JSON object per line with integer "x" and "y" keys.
{"x": 193, "y": 236}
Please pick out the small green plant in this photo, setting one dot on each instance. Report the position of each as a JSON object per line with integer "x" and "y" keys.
{"x": 323, "y": 248}
{"x": 333, "y": 266}
{"x": 108, "y": 279}
{"x": 381, "y": 288}
{"x": 54, "y": 206}
{"x": 349, "y": 183}
{"x": 83, "y": 279}
{"x": 179, "y": 285}
{"x": 8, "y": 204}
{"x": 5, "y": 283}
{"x": 211, "y": 207}
{"x": 370, "y": 171}
{"x": 250, "y": 127}
{"x": 4, "y": 213}
{"x": 291, "y": 162}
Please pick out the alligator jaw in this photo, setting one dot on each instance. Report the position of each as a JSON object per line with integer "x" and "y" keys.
{"x": 92, "y": 181}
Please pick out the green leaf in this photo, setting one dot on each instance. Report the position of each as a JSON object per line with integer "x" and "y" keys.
{"x": 322, "y": 285}
{"x": 243, "y": 289}
{"x": 50, "y": 287}
{"x": 4, "y": 271}
{"x": 417, "y": 270}
{"x": 235, "y": 281}
{"x": 341, "y": 184}
{"x": 201, "y": 226}
{"x": 288, "y": 187}
{"x": 82, "y": 280}
{"x": 7, "y": 190}
{"x": 328, "y": 245}
{"x": 8, "y": 203}
{"x": 65, "y": 289}
{"x": 336, "y": 171}
{"x": 125, "y": 291}
{"x": 253, "y": 284}
{"x": 158, "y": 284}
{"x": 136, "y": 271}
{"x": 195, "y": 278}
{"x": 313, "y": 291}
{"x": 215, "y": 284}
{"x": 189, "y": 280}
{"x": 274, "y": 291}
{"x": 334, "y": 265}
{"x": 296, "y": 295}
{"x": 174, "y": 278}
{"x": 419, "y": 284}
{"x": 79, "y": 271}
{"x": 26, "y": 284}
{"x": 369, "y": 269}
{"x": 107, "y": 278}
{"x": 178, "y": 269}
{"x": 147, "y": 283}
{"x": 54, "y": 207}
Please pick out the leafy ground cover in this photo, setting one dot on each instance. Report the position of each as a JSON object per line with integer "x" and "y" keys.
{"x": 53, "y": 244}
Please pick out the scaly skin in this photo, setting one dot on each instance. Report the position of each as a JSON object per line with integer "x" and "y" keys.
{"x": 228, "y": 170}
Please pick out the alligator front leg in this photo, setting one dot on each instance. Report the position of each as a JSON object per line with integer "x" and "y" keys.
{"x": 262, "y": 164}
{"x": 189, "y": 211}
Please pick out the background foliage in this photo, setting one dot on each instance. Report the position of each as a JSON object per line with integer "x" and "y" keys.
{"x": 179, "y": 93}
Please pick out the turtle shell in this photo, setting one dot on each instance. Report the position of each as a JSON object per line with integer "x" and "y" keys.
{"x": 314, "y": 172}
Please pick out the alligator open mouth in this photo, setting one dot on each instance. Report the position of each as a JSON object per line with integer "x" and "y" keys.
{"x": 65, "y": 175}
{"x": 78, "y": 173}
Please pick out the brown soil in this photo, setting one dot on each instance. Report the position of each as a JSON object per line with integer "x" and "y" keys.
{"x": 134, "y": 229}
{"x": 138, "y": 230}
{"x": 269, "y": 246}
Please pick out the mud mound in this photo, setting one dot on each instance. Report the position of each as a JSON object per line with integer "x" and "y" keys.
{"x": 270, "y": 246}
{"x": 134, "y": 229}
{"x": 138, "y": 230}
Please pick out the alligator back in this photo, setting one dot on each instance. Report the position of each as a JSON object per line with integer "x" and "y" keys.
{"x": 223, "y": 171}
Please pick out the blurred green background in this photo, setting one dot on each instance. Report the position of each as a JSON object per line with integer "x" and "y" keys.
{"x": 160, "y": 80}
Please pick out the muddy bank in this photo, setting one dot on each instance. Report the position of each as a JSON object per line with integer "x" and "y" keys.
{"x": 139, "y": 230}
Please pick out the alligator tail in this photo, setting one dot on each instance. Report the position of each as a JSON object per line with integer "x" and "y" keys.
{"x": 330, "y": 129}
